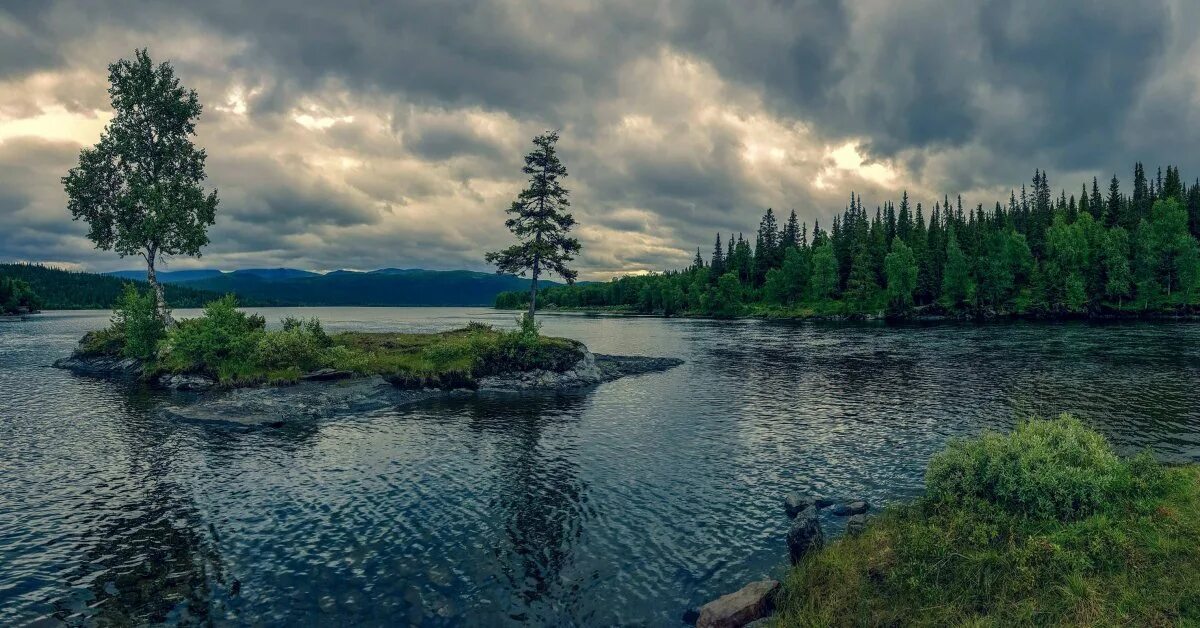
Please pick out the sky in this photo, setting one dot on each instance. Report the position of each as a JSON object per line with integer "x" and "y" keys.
{"x": 364, "y": 135}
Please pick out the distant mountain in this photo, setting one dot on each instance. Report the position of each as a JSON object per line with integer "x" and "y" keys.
{"x": 169, "y": 276}
{"x": 275, "y": 274}
{"x": 68, "y": 290}
{"x": 384, "y": 287}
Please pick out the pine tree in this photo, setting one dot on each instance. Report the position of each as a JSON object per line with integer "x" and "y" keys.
{"x": 540, "y": 220}
{"x": 717, "y": 266}
{"x": 1112, "y": 208}
{"x": 958, "y": 290}
{"x": 901, "y": 270}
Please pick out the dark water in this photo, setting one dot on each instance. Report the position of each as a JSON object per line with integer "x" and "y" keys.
{"x": 625, "y": 504}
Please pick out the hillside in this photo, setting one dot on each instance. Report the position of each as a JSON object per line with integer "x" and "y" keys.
{"x": 67, "y": 290}
{"x": 385, "y": 287}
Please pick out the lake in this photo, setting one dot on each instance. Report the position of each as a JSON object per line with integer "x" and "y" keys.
{"x": 623, "y": 504}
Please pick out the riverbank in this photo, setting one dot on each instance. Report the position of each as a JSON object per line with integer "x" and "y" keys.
{"x": 1046, "y": 526}
{"x": 918, "y": 315}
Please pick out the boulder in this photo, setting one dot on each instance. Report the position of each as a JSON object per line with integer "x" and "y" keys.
{"x": 856, "y": 524}
{"x": 824, "y": 502}
{"x": 857, "y": 507}
{"x": 795, "y": 503}
{"x": 754, "y": 601}
{"x": 186, "y": 382}
{"x": 804, "y": 535}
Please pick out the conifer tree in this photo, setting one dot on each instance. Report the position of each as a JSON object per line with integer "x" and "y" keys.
{"x": 901, "y": 269}
{"x": 958, "y": 290}
{"x": 540, "y": 220}
{"x": 717, "y": 265}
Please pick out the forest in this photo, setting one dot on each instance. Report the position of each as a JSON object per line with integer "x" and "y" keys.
{"x": 66, "y": 290}
{"x": 1037, "y": 254}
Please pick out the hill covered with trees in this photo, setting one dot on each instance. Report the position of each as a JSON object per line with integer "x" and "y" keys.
{"x": 68, "y": 290}
{"x": 1036, "y": 254}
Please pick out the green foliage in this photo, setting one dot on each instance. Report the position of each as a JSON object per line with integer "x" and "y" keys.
{"x": 1044, "y": 469}
{"x": 1045, "y": 526}
{"x": 137, "y": 322}
{"x": 17, "y": 296}
{"x": 223, "y": 342}
{"x": 139, "y": 189}
{"x": 1039, "y": 257}
{"x": 540, "y": 221}
{"x": 725, "y": 300}
{"x": 901, "y": 269}
{"x": 301, "y": 343}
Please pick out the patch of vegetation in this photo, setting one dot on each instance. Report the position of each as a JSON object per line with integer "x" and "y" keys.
{"x": 17, "y": 297}
{"x": 237, "y": 349}
{"x": 1045, "y": 526}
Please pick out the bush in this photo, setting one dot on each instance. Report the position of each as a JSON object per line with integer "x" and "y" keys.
{"x": 224, "y": 342}
{"x": 301, "y": 344}
{"x": 137, "y": 322}
{"x": 1044, "y": 469}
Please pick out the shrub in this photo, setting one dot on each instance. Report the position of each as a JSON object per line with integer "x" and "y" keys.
{"x": 301, "y": 344}
{"x": 136, "y": 320}
{"x": 1045, "y": 469}
{"x": 223, "y": 342}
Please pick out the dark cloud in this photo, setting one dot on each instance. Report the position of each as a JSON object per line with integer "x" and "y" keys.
{"x": 359, "y": 134}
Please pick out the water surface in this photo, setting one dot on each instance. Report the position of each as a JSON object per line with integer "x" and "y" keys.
{"x": 624, "y": 504}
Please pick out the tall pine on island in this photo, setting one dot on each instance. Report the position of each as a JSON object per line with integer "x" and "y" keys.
{"x": 540, "y": 222}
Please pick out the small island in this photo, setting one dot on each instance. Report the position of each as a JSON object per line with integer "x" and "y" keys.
{"x": 253, "y": 375}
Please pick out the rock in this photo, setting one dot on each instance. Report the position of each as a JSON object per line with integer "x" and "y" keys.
{"x": 185, "y": 382}
{"x": 794, "y": 503}
{"x": 762, "y": 622}
{"x": 824, "y": 502}
{"x": 856, "y": 524}
{"x": 804, "y": 535}
{"x": 851, "y": 508}
{"x": 754, "y": 601}
{"x": 326, "y": 375}
{"x": 101, "y": 366}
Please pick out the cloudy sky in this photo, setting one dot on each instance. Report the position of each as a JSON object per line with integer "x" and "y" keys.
{"x": 365, "y": 135}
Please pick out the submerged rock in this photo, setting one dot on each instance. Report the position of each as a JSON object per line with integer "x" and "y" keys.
{"x": 795, "y": 503}
{"x": 857, "y": 507}
{"x": 752, "y": 602}
{"x": 805, "y": 535}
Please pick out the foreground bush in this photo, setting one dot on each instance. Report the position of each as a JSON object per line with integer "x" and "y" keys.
{"x": 1045, "y": 526}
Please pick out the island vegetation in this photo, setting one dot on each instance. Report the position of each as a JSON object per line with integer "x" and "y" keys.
{"x": 1094, "y": 254}
{"x": 236, "y": 349}
{"x": 1045, "y": 526}
{"x": 17, "y": 297}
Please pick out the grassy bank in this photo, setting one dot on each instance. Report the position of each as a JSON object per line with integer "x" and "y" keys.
{"x": 236, "y": 348}
{"x": 1046, "y": 526}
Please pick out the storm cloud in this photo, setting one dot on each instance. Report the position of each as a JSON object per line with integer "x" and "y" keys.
{"x": 351, "y": 135}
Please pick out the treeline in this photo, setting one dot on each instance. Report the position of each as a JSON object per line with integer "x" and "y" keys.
{"x": 67, "y": 290}
{"x": 16, "y": 297}
{"x": 1037, "y": 254}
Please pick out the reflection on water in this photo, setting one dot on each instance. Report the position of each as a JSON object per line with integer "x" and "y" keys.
{"x": 628, "y": 503}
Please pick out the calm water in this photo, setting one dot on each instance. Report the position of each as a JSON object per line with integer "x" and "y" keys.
{"x": 625, "y": 504}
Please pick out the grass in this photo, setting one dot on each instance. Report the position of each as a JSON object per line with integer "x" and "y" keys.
{"x": 236, "y": 349}
{"x": 1042, "y": 527}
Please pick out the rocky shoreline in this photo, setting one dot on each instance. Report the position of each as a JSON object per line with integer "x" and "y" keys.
{"x": 327, "y": 392}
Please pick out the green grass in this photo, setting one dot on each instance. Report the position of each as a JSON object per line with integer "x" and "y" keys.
{"x": 238, "y": 350}
{"x": 1043, "y": 527}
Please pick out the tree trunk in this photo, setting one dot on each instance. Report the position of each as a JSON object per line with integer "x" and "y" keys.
{"x": 160, "y": 300}
{"x": 533, "y": 289}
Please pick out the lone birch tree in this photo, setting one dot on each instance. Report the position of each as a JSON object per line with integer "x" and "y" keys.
{"x": 139, "y": 188}
{"x": 540, "y": 220}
